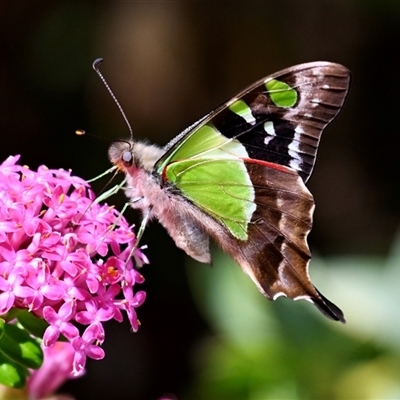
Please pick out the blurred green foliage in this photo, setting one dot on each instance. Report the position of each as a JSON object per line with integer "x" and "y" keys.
{"x": 262, "y": 350}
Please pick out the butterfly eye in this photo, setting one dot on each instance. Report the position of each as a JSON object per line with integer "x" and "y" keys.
{"x": 127, "y": 157}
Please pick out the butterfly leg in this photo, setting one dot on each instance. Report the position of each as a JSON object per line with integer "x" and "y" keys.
{"x": 110, "y": 192}
{"x": 146, "y": 216}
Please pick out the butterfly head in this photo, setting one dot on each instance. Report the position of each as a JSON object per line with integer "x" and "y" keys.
{"x": 128, "y": 155}
{"x": 121, "y": 155}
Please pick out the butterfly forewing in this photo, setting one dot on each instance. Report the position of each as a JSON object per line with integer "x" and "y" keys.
{"x": 280, "y": 118}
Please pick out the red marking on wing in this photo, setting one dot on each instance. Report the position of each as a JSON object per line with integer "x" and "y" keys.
{"x": 269, "y": 165}
{"x": 164, "y": 171}
{"x": 164, "y": 174}
{"x": 247, "y": 160}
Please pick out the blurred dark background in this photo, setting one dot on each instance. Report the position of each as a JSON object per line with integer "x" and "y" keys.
{"x": 169, "y": 63}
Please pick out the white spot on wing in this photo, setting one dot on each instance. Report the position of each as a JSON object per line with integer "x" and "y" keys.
{"x": 268, "y": 139}
{"x": 325, "y": 87}
{"x": 295, "y": 164}
{"x": 315, "y": 102}
{"x": 293, "y": 153}
{"x": 297, "y": 138}
{"x": 294, "y": 145}
{"x": 269, "y": 128}
{"x": 279, "y": 294}
{"x": 303, "y": 297}
{"x": 249, "y": 117}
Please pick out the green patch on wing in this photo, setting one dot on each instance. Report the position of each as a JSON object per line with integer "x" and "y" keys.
{"x": 281, "y": 93}
{"x": 220, "y": 187}
{"x": 240, "y": 108}
{"x": 206, "y": 141}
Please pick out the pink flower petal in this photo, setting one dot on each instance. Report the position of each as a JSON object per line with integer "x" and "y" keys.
{"x": 55, "y": 247}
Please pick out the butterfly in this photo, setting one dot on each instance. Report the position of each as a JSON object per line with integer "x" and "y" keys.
{"x": 238, "y": 176}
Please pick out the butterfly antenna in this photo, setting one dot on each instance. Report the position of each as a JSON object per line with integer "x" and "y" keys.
{"x": 95, "y": 66}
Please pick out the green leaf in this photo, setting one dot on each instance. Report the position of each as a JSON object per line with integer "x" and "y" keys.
{"x": 19, "y": 346}
{"x": 12, "y": 374}
{"x": 31, "y": 323}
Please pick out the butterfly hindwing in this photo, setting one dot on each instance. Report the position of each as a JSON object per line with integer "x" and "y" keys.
{"x": 262, "y": 223}
{"x": 277, "y": 255}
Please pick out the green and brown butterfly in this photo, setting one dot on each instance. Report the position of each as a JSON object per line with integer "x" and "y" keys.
{"x": 238, "y": 176}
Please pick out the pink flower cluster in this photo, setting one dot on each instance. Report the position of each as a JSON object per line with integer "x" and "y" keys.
{"x": 63, "y": 257}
